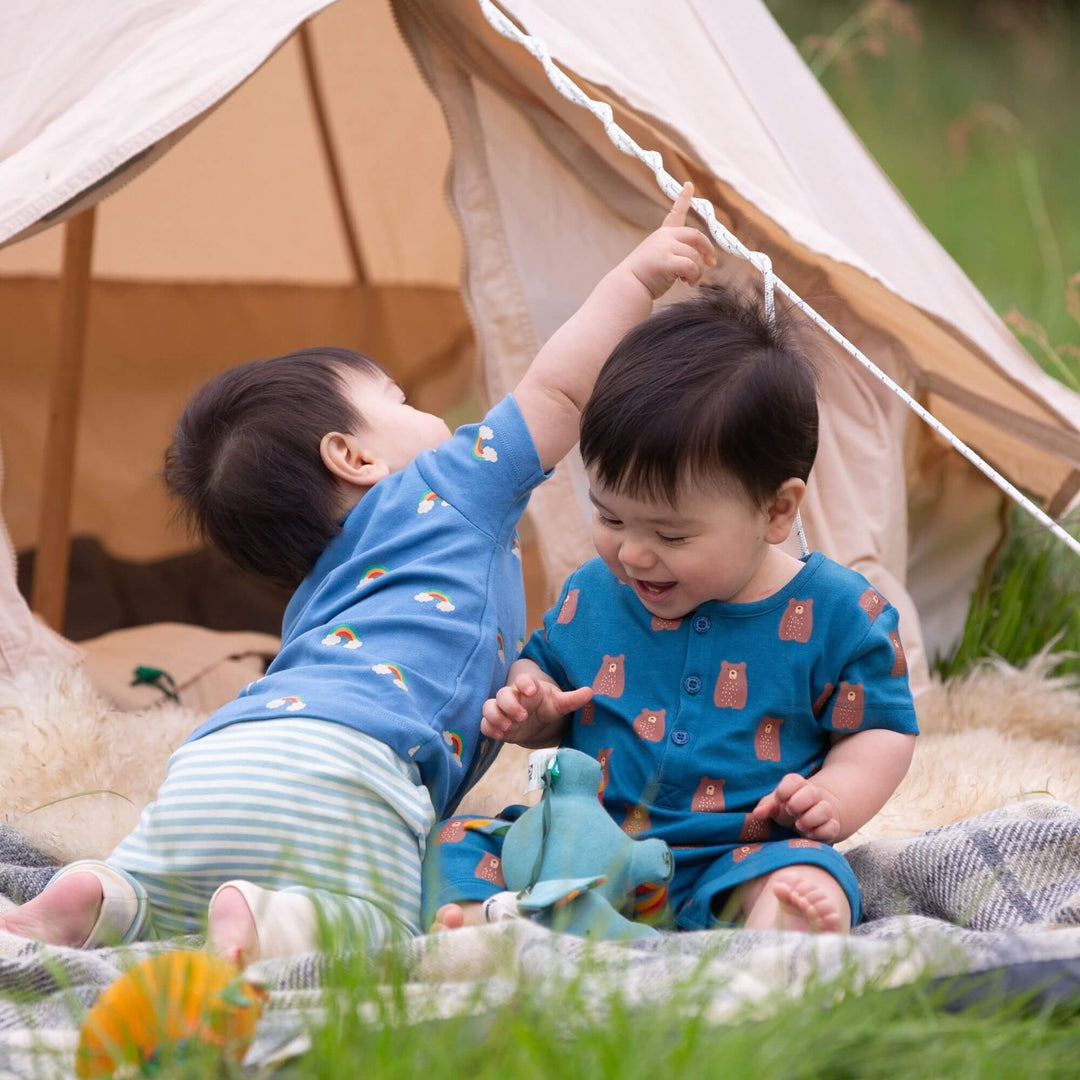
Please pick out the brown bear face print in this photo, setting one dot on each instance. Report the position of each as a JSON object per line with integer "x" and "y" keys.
{"x": 744, "y": 852}
{"x": 823, "y": 699}
{"x": 709, "y": 796}
{"x": 489, "y": 868}
{"x": 767, "y": 739}
{"x": 754, "y": 829}
{"x": 588, "y": 713}
{"x": 797, "y": 623}
{"x": 872, "y": 602}
{"x": 730, "y": 692}
{"x": 569, "y": 608}
{"x": 899, "y": 658}
{"x": 649, "y": 724}
{"x": 611, "y": 678}
{"x": 847, "y": 713}
{"x": 451, "y": 832}
{"x": 604, "y": 757}
{"x": 802, "y": 843}
{"x": 637, "y": 821}
{"x": 665, "y": 624}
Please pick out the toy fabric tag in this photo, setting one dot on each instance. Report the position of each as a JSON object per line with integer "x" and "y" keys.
{"x": 541, "y": 763}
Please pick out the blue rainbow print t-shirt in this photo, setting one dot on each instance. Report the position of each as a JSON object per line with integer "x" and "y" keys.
{"x": 415, "y": 611}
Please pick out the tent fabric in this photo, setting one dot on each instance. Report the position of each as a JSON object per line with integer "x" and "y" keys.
{"x": 544, "y": 206}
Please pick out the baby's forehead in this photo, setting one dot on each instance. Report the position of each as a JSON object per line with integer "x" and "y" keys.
{"x": 695, "y": 500}
{"x": 369, "y": 385}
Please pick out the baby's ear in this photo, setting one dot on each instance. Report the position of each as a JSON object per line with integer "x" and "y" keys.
{"x": 782, "y": 509}
{"x": 346, "y": 457}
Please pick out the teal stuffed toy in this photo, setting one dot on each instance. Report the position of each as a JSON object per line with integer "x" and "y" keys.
{"x": 572, "y": 867}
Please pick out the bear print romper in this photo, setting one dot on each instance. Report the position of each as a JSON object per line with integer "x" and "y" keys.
{"x": 694, "y": 720}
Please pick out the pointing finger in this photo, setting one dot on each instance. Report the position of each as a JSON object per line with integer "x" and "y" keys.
{"x": 677, "y": 214}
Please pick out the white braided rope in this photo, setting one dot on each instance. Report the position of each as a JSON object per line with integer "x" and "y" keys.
{"x": 730, "y": 243}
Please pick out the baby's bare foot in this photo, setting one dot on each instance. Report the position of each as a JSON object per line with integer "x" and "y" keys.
{"x": 231, "y": 932}
{"x": 455, "y": 916}
{"x": 805, "y": 904}
{"x": 64, "y": 914}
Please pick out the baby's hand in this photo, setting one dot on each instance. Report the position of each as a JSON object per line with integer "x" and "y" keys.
{"x": 675, "y": 250}
{"x": 800, "y": 803}
{"x": 526, "y": 708}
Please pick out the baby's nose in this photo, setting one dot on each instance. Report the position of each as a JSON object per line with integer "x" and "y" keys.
{"x": 632, "y": 553}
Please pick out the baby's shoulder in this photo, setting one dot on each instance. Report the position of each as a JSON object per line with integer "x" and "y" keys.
{"x": 846, "y": 600}
{"x": 839, "y": 583}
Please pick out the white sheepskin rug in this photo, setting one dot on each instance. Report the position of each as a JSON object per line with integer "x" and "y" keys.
{"x": 75, "y": 772}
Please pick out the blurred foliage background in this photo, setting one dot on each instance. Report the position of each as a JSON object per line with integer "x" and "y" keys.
{"x": 972, "y": 107}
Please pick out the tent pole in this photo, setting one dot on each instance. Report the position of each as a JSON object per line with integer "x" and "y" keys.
{"x": 51, "y": 565}
{"x": 348, "y": 224}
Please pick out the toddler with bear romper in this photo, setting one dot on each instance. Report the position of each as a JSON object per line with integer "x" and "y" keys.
{"x": 747, "y": 707}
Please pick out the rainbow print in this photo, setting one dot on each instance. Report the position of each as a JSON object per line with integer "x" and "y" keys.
{"x": 289, "y": 704}
{"x": 650, "y": 901}
{"x": 454, "y": 741}
{"x": 499, "y": 640}
{"x": 481, "y": 452}
{"x": 391, "y": 669}
{"x": 433, "y": 596}
{"x": 428, "y": 500}
{"x": 370, "y": 574}
{"x": 343, "y": 635}
{"x": 515, "y": 547}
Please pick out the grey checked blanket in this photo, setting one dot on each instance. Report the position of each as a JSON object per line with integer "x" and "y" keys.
{"x": 1000, "y": 889}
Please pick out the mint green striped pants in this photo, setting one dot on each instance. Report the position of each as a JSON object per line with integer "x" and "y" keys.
{"x": 291, "y": 804}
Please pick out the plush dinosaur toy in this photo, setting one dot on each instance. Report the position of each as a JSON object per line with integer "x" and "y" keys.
{"x": 572, "y": 867}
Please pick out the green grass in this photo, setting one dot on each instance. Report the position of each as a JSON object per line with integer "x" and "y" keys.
{"x": 880, "y": 1033}
{"x": 1030, "y": 600}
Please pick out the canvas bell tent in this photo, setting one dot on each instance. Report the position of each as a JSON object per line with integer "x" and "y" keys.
{"x": 234, "y": 240}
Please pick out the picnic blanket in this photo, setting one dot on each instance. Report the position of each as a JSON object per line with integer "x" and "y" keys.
{"x": 999, "y": 889}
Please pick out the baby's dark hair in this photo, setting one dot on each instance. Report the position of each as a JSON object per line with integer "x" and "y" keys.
{"x": 703, "y": 391}
{"x": 245, "y": 461}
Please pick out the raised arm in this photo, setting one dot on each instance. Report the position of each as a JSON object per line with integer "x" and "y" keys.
{"x": 559, "y": 381}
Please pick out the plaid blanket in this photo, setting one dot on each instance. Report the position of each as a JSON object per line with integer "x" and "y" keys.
{"x": 999, "y": 889}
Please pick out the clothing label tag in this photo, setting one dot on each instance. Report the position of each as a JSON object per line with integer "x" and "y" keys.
{"x": 540, "y": 762}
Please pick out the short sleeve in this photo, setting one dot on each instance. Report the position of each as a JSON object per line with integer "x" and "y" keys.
{"x": 540, "y": 650}
{"x": 486, "y": 471}
{"x": 872, "y": 688}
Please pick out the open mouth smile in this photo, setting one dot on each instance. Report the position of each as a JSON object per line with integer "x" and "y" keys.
{"x": 653, "y": 590}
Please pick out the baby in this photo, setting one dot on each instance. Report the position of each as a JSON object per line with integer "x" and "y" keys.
{"x": 306, "y": 801}
{"x": 747, "y": 707}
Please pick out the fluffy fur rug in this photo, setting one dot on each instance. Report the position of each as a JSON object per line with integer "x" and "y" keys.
{"x": 75, "y": 773}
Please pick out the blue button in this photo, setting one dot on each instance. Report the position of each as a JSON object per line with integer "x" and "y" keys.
{"x": 702, "y": 624}
{"x": 680, "y": 737}
{"x": 691, "y": 684}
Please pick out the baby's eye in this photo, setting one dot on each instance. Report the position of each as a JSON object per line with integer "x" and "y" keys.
{"x": 672, "y": 539}
{"x": 610, "y": 522}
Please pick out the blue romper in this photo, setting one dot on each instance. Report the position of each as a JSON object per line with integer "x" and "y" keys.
{"x": 695, "y": 719}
